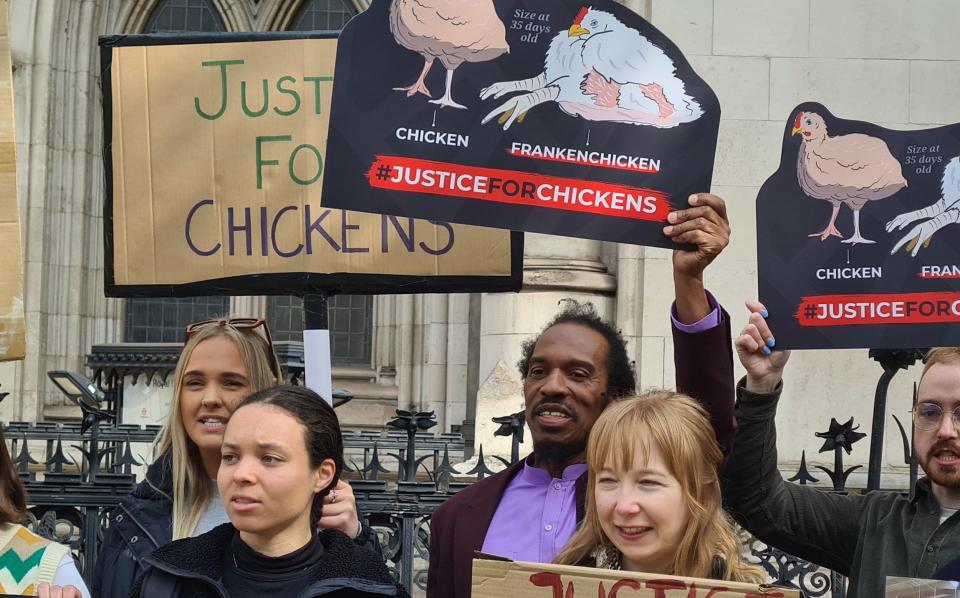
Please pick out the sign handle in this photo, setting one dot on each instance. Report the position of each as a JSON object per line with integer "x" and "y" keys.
{"x": 316, "y": 346}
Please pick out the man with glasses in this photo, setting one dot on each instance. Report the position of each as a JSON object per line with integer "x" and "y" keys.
{"x": 866, "y": 537}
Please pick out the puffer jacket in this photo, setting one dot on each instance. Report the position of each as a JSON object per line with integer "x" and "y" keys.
{"x": 142, "y": 522}
{"x": 186, "y": 569}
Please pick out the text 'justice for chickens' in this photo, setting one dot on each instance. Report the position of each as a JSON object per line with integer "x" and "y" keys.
{"x": 905, "y": 308}
{"x": 520, "y": 188}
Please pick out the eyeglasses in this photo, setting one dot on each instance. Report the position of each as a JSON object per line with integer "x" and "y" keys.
{"x": 241, "y": 324}
{"x": 927, "y": 416}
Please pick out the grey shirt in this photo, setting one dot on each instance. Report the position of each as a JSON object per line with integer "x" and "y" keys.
{"x": 866, "y": 537}
{"x": 214, "y": 514}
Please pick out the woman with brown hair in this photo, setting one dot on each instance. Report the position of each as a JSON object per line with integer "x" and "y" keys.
{"x": 30, "y": 564}
{"x": 282, "y": 453}
{"x": 222, "y": 362}
{"x": 653, "y": 494}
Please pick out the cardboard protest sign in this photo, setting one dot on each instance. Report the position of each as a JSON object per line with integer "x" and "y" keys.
{"x": 857, "y": 240}
{"x": 553, "y": 116}
{"x": 12, "y": 343}
{"x": 494, "y": 577}
{"x": 216, "y": 157}
{"x": 909, "y": 587}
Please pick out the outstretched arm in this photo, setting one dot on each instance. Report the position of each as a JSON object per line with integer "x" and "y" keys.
{"x": 701, "y": 329}
{"x": 817, "y": 526}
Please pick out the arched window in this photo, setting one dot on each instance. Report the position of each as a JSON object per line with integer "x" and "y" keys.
{"x": 174, "y": 16}
{"x": 322, "y": 15}
{"x": 350, "y": 316}
{"x": 163, "y": 320}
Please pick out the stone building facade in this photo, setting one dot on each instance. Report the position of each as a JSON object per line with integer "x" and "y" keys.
{"x": 886, "y": 61}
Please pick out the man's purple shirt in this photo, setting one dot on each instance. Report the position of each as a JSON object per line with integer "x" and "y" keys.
{"x": 537, "y": 514}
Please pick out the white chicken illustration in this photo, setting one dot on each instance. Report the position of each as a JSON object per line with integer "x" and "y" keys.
{"x": 451, "y": 31}
{"x": 945, "y": 211}
{"x": 852, "y": 169}
{"x": 601, "y": 70}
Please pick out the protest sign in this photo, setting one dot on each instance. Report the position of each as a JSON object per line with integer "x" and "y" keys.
{"x": 910, "y": 587}
{"x": 550, "y": 116}
{"x": 857, "y": 243}
{"x": 12, "y": 343}
{"x": 494, "y": 577}
{"x": 215, "y": 161}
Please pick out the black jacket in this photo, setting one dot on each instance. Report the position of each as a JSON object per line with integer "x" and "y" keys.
{"x": 143, "y": 522}
{"x": 193, "y": 568}
{"x": 139, "y": 525}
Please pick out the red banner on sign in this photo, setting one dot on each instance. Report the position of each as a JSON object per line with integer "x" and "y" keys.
{"x": 519, "y": 188}
{"x": 903, "y": 308}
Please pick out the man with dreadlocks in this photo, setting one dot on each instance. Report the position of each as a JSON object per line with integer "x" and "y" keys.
{"x": 571, "y": 372}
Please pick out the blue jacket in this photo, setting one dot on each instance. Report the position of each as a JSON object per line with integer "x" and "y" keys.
{"x": 139, "y": 525}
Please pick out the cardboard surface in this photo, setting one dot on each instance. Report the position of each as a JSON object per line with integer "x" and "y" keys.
{"x": 495, "y": 578}
{"x": 551, "y": 116}
{"x": 217, "y": 160}
{"x": 12, "y": 341}
{"x": 910, "y": 587}
{"x": 857, "y": 238}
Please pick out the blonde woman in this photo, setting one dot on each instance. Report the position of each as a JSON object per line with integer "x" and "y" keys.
{"x": 222, "y": 362}
{"x": 653, "y": 495}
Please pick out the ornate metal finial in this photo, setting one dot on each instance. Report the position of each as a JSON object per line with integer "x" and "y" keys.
{"x": 803, "y": 476}
{"x": 512, "y": 425}
{"x": 412, "y": 421}
{"x": 839, "y": 438}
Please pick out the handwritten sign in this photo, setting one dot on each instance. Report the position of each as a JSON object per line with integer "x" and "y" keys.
{"x": 215, "y": 165}
{"x": 12, "y": 343}
{"x": 495, "y": 578}
{"x": 857, "y": 237}
{"x": 552, "y": 116}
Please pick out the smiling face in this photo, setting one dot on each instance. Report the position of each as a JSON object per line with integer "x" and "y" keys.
{"x": 565, "y": 386}
{"x": 215, "y": 379}
{"x": 265, "y": 478}
{"x": 938, "y": 450}
{"x": 642, "y": 511}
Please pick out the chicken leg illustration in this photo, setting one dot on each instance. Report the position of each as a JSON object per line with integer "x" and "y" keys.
{"x": 852, "y": 170}
{"x": 831, "y": 229}
{"x": 451, "y": 31}
{"x": 944, "y": 212}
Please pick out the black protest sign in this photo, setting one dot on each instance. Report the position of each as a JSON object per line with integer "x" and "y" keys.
{"x": 856, "y": 238}
{"x": 551, "y": 116}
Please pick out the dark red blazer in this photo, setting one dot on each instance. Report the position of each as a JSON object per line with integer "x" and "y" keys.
{"x": 704, "y": 366}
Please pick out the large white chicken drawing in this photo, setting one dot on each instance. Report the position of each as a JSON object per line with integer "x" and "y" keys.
{"x": 853, "y": 169}
{"x": 451, "y": 31}
{"x": 945, "y": 211}
{"x": 599, "y": 69}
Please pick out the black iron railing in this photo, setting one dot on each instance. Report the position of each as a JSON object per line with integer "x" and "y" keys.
{"x": 399, "y": 478}
{"x": 75, "y": 476}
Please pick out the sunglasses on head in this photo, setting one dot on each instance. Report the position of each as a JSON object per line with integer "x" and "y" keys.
{"x": 241, "y": 324}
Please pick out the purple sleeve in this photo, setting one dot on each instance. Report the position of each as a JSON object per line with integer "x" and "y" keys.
{"x": 707, "y": 322}
{"x": 704, "y": 365}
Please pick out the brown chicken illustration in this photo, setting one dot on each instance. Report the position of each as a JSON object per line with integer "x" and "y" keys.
{"x": 452, "y": 31}
{"x": 849, "y": 169}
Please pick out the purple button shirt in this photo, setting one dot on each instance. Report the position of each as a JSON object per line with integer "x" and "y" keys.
{"x": 707, "y": 322}
{"x": 537, "y": 515}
